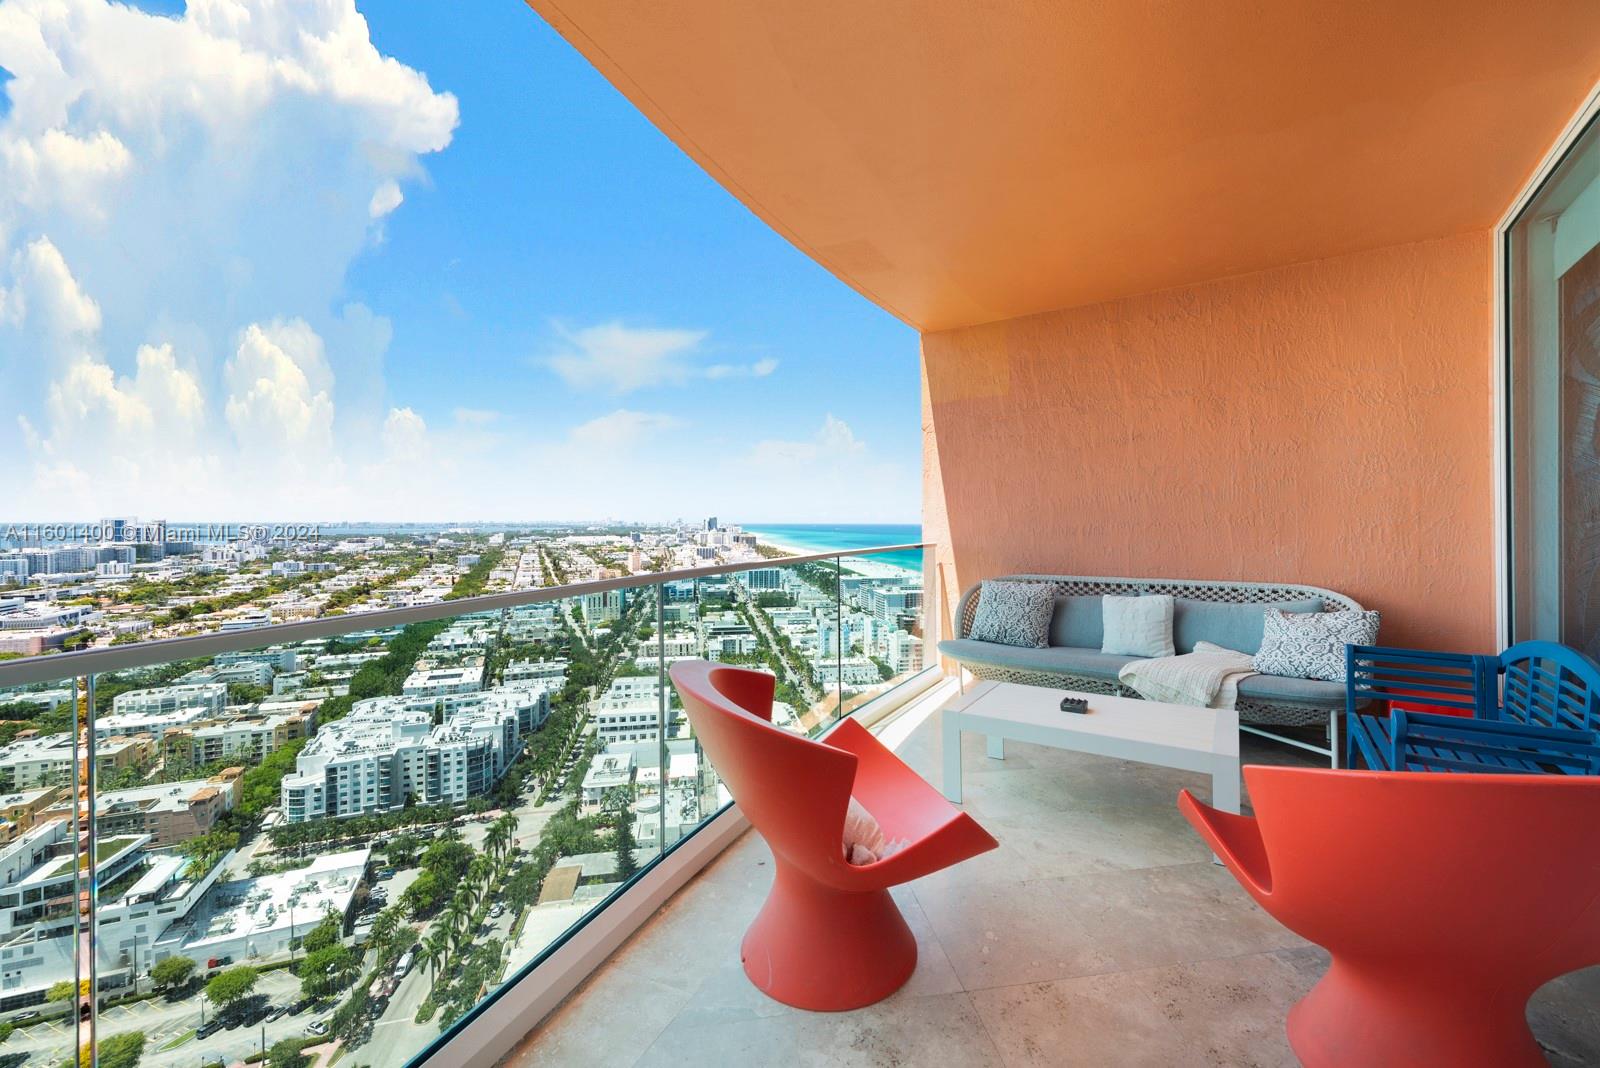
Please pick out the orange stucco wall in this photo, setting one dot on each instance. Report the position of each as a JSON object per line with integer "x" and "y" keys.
{"x": 1326, "y": 423}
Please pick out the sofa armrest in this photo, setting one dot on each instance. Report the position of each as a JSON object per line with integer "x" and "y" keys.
{"x": 967, "y": 599}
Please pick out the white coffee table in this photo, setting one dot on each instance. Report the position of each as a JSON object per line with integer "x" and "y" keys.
{"x": 1205, "y": 740}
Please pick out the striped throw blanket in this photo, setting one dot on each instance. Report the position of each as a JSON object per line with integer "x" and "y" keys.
{"x": 1206, "y": 678}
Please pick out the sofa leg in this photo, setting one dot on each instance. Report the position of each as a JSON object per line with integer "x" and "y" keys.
{"x": 1333, "y": 737}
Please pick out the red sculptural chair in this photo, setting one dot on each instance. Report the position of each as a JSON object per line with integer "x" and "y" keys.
{"x": 829, "y": 937}
{"x": 1444, "y": 900}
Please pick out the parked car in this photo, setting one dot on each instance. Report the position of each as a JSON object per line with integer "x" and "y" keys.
{"x": 278, "y": 1013}
{"x": 497, "y": 910}
{"x": 317, "y": 1027}
{"x": 23, "y": 1017}
{"x": 209, "y": 1028}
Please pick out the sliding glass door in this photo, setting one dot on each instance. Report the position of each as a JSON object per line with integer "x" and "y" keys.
{"x": 1553, "y": 425}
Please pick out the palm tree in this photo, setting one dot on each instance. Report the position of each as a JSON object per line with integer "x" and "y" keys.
{"x": 458, "y": 918}
{"x": 434, "y": 950}
{"x": 478, "y": 873}
{"x": 497, "y": 840}
{"x": 384, "y": 928}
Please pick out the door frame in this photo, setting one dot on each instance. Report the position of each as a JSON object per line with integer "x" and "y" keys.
{"x": 1500, "y": 357}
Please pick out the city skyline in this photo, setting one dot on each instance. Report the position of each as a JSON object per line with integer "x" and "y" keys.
{"x": 456, "y": 288}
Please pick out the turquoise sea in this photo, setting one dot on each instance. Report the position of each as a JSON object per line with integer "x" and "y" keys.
{"x": 821, "y": 538}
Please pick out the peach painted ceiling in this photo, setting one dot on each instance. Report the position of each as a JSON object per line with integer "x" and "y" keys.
{"x": 965, "y": 161}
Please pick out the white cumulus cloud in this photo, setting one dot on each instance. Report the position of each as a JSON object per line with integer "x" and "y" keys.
{"x": 180, "y": 202}
{"x": 621, "y": 359}
{"x": 279, "y": 403}
{"x": 622, "y": 429}
{"x": 385, "y": 199}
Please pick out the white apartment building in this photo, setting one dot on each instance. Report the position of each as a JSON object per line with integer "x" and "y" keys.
{"x": 604, "y": 607}
{"x": 279, "y": 658}
{"x": 888, "y": 603}
{"x": 251, "y": 620}
{"x": 553, "y": 671}
{"x": 246, "y": 672}
{"x": 211, "y": 697}
{"x": 388, "y": 749}
{"x": 608, "y": 771}
{"x": 246, "y": 738}
{"x": 763, "y": 579}
{"x": 46, "y": 759}
{"x": 153, "y": 723}
{"x": 42, "y": 760}
{"x": 369, "y": 761}
{"x": 902, "y": 651}
{"x": 627, "y": 711}
{"x": 857, "y": 671}
{"x": 440, "y": 682}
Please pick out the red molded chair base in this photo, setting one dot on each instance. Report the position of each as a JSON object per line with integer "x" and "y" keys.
{"x": 1381, "y": 1017}
{"x": 827, "y": 950}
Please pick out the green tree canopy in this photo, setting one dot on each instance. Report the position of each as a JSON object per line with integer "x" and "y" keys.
{"x": 286, "y": 1054}
{"x": 229, "y": 986}
{"x": 118, "y": 1051}
{"x": 62, "y": 991}
{"x": 447, "y": 859}
{"x": 323, "y": 935}
{"x": 171, "y": 972}
{"x": 327, "y": 971}
{"x": 424, "y": 896}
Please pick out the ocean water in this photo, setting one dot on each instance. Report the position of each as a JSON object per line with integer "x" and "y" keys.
{"x": 821, "y": 538}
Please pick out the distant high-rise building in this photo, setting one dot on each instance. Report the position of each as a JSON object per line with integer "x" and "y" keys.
{"x": 711, "y": 524}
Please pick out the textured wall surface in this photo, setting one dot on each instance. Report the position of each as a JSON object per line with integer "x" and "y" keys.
{"x": 1327, "y": 423}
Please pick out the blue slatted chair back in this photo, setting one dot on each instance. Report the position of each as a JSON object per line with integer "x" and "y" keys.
{"x": 1548, "y": 684}
{"x": 1462, "y": 681}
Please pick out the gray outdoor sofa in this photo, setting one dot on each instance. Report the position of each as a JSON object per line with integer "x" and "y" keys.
{"x": 1225, "y": 613}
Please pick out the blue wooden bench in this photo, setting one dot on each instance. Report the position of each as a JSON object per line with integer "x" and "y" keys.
{"x": 1533, "y": 708}
{"x": 1420, "y": 741}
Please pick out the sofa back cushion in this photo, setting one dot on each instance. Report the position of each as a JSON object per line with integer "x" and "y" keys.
{"x": 1232, "y": 626}
{"x": 1078, "y": 622}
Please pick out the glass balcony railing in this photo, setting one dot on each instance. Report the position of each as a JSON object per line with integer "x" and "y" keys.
{"x": 365, "y": 827}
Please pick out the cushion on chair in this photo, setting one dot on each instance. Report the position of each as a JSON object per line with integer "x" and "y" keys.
{"x": 1137, "y": 626}
{"x": 864, "y": 840}
{"x": 1078, "y": 622}
{"x": 1056, "y": 659}
{"x": 1276, "y": 689}
{"x": 1311, "y": 646}
{"x": 1232, "y": 626}
{"x": 1014, "y": 613}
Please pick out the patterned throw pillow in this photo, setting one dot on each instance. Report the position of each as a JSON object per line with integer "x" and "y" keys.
{"x": 1014, "y": 613}
{"x": 1138, "y": 626}
{"x": 1311, "y": 645}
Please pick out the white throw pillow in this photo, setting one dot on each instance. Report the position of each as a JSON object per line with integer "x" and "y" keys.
{"x": 1137, "y": 626}
{"x": 864, "y": 842}
{"x": 1310, "y": 645}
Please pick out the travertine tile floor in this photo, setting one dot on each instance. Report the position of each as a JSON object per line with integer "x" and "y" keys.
{"x": 1099, "y": 933}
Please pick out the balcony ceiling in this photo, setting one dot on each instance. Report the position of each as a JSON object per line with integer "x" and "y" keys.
{"x": 961, "y": 161}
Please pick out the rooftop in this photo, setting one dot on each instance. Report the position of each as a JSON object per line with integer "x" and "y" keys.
{"x": 274, "y": 902}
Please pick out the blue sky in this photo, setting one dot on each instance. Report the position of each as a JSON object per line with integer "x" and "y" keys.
{"x": 486, "y": 288}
